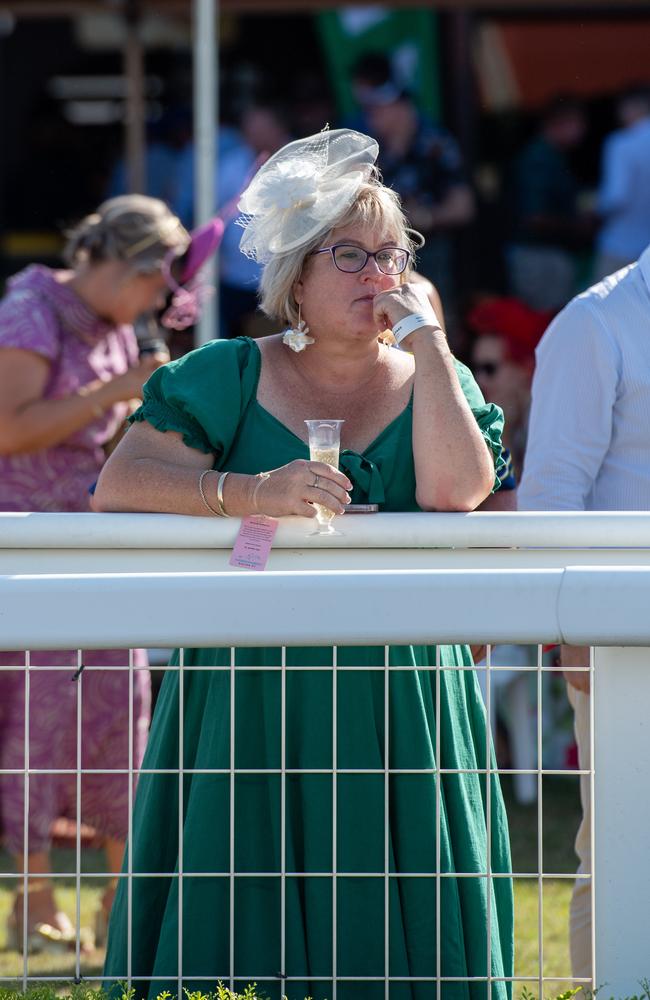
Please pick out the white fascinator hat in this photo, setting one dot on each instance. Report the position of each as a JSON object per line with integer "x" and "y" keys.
{"x": 302, "y": 189}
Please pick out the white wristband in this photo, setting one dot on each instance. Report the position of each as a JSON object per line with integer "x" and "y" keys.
{"x": 412, "y": 322}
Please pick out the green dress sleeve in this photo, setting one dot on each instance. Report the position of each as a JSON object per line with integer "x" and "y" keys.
{"x": 488, "y": 416}
{"x": 203, "y": 394}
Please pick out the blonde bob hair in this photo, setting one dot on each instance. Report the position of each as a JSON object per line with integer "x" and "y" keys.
{"x": 375, "y": 206}
{"x": 132, "y": 228}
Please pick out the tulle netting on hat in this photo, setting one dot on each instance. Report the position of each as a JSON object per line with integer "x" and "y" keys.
{"x": 301, "y": 190}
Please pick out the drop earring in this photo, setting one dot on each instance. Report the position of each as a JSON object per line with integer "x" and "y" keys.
{"x": 297, "y": 337}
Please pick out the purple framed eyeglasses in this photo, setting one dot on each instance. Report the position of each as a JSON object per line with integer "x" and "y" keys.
{"x": 350, "y": 258}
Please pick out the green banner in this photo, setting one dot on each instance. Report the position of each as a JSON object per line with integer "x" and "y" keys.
{"x": 408, "y": 37}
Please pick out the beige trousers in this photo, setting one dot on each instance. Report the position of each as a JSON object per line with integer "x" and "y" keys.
{"x": 581, "y": 900}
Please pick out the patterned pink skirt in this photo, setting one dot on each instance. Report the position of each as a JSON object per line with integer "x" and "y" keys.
{"x": 53, "y": 705}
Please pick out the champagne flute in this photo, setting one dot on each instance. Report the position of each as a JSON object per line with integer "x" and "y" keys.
{"x": 324, "y": 446}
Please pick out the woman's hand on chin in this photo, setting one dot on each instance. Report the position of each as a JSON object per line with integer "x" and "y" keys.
{"x": 396, "y": 303}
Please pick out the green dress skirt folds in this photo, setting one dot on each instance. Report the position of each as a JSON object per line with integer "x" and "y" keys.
{"x": 412, "y": 905}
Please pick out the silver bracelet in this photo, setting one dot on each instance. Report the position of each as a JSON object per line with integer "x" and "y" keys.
{"x": 220, "y": 512}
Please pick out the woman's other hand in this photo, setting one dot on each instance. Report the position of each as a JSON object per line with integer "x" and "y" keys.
{"x": 296, "y": 487}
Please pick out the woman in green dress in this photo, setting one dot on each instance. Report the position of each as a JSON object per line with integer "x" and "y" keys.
{"x": 222, "y": 432}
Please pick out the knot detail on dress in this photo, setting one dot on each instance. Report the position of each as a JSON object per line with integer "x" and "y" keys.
{"x": 368, "y": 486}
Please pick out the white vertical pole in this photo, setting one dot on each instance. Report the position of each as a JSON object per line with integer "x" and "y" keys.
{"x": 181, "y": 812}
{"x": 231, "y": 951}
{"x": 206, "y": 63}
{"x": 540, "y": 824}
{"x": 26, "y": 763}
{"x": 592, "y": 832}
{"x": 438, "y": 831}
{"x": 283, "y": 815}
{"x": 386, "y": 822}
{"x": 135, "y": 128}
{"x": 129, "y": 845}
{"x": 78, "y": 815}
{"x": 621, "y": 885}
{"x": 488, "y": 817}
{"x": 335, "y": 863}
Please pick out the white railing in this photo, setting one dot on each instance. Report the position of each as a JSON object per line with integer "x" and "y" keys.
{"x": 518, "y": 578}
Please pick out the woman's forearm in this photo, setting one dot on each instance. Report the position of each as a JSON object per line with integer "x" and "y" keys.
{"x": 153, "y": 486}
{"x": 42, "y": 423}
{"x": 454, "y": 470}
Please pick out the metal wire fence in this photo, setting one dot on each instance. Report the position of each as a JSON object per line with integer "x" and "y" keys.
{"x": 333, "y": 783}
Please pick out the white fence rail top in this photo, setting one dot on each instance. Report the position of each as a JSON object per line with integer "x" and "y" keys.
{"x": 524, "y": 529}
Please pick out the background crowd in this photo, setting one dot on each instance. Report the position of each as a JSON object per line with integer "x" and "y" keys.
{"x": 557, "y": 235}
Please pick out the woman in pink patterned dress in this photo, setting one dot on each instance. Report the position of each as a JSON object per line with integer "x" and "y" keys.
{"x": 68, "y": 368}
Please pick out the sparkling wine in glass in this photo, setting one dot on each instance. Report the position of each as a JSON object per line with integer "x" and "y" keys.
{"x": 324, "y": 446}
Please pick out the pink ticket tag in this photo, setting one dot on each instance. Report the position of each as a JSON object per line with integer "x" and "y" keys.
{"x": 253, "y": 543}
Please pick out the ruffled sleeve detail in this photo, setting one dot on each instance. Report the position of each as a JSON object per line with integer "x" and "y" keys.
{"x": 166, "y": 418}
{"x": 488, "y": 416}
{"x": 203, "y": 394}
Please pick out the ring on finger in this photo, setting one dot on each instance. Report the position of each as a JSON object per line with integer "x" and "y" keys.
{"x": 315, "y": 482}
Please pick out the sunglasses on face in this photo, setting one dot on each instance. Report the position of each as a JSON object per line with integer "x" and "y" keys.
{"x": 347, "y": 258}
{"x": 486, "y": 368}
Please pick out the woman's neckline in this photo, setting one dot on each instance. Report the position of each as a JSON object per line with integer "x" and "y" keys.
{"x": 345, "y": 393}
{"x": 375, "y": 441}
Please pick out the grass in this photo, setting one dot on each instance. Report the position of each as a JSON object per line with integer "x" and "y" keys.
{"x": 11, "y": 962}
{"x": 556, "y": 898}
{"x": 561, "y": 815}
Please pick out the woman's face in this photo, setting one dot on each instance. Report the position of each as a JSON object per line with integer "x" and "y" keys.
{"x": 135, "y": 294}
{"x": 119, "y": 294}
{"x": 337, "y": 303}
{"x": 501, "y": 380}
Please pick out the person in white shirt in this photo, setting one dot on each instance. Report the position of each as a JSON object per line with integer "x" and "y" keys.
{"x": 624, "y": 195}
{"x": 589, "y": 449}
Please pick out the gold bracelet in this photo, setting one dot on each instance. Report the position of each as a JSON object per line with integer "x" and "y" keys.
{"x": 218, "y": 513}
{"x": 222, "y": 479}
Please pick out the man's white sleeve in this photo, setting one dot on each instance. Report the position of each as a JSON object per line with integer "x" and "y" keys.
{"x": 574, "y": 391}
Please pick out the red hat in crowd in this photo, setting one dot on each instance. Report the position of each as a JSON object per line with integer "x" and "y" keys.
{"x": 519, "y": 326}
